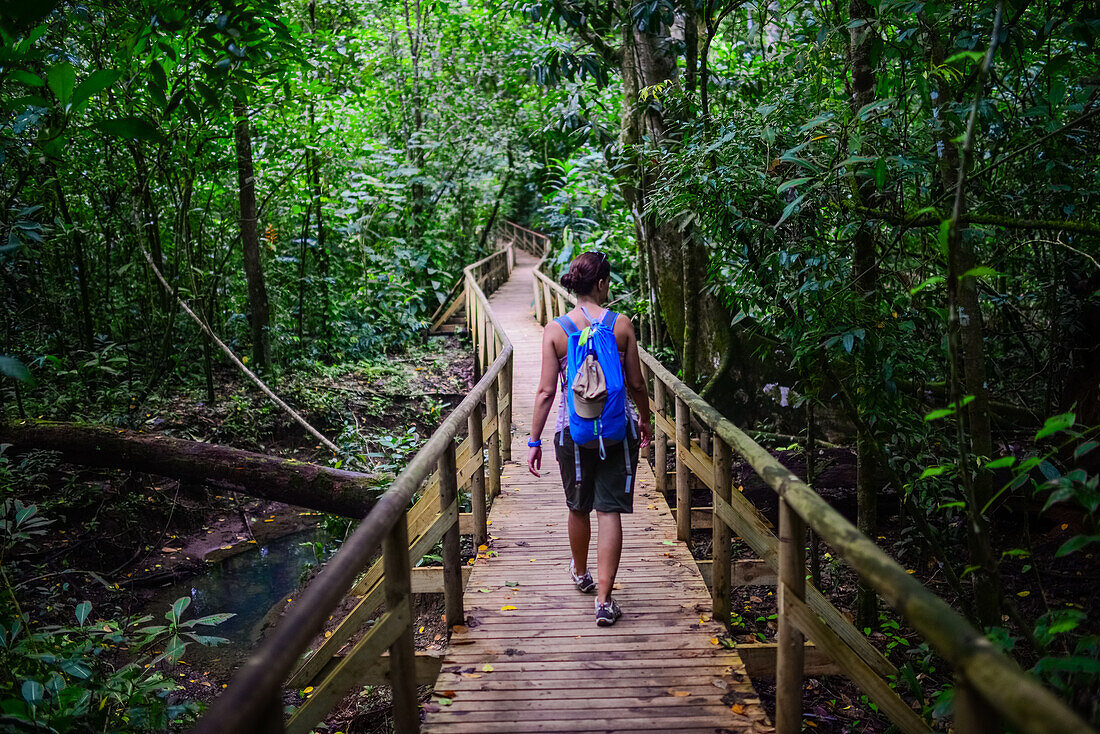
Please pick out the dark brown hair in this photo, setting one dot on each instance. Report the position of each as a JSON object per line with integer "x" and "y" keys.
{"x": 585, "y": 271}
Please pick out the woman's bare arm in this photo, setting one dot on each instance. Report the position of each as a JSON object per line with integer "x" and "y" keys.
{"x": 635, "y": 382}
{"x": 544, "y": 396}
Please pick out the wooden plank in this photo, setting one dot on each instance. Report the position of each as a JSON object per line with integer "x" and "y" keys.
{"x": 348, "y": 672}
{"x": 855, "y": 668}
{"x": 749, "y": 526}
{"x": 429, "y": 579}
{"x": 703, "y": 471}
{"x": 742, "y": 573}
{"x": 760, "y": 659}
{"x": 683, "y": 488}
{"x": 701, "y": 517}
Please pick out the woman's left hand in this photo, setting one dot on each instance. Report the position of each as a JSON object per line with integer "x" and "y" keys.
{"x": 534, "y": 460}
{"x": 646, "y": 429}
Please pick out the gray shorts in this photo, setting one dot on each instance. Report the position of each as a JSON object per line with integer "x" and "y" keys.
{"x": 591, "y": 482}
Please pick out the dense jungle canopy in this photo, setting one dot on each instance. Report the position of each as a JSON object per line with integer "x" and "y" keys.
{"x": 871, "y": 223}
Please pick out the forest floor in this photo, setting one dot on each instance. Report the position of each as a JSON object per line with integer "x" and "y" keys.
{"x": 122, "y": 539}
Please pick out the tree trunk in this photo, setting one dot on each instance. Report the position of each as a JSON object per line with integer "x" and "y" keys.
{"x": 284, "y": 480}
{"x": 646, "y": 61}
{"x": 260, "y": 310}
{"x": 966, "y": 345}
{"x": 865, "y": 282}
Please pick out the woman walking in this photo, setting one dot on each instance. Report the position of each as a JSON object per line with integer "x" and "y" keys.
{"x": 599, "y": 472}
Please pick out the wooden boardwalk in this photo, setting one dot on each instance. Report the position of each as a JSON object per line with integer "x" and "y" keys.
{"x": 531, "y": 658}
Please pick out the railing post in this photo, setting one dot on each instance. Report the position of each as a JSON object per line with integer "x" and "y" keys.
{"x": 973, "y": 715}
{"x": 473, "y": 318}
{"x": 452, "y": 562}
{"x": 563, "y": 307}
{"x": 504, "y": 426}
{"x": 492, "y": 413}
{"x": 398, "y": 585}
{"x": 683, "y": 474}
{"x": 660, "y": 440}
{"x": 272, "y": 721}
{"x": 720, "y": 535}
{"x": 548, "y": 306}
{"x": 789, "y": 650}
{"x": 537, "y": 285}
{"x": 477, "y": 480}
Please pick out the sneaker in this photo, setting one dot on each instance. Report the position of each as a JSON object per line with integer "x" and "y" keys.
{"x": 607, "y": 613}
{"x": 584, "y": 582}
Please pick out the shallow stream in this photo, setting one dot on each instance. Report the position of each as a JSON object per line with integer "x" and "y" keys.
{"x": 254, "y": 585}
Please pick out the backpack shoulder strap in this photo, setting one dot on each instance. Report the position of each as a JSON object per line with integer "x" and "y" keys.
{"x": 567, "y": 325}
{"x": 609, "y": 319}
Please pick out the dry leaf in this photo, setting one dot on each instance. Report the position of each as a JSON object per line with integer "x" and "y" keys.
{"x": 714, "y": 640}
{"x": 737, "y": 708}
{"x": 486, "y": 668}
{"x": 674, "y": 692}
{"x": 507, "y": 608}
{"x": 471, "y": 675}
{"x": 483, "y": 547}
{"x": 460, "y": 629}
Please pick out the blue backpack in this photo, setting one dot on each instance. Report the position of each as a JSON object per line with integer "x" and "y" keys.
{"x": 595, "y": 387}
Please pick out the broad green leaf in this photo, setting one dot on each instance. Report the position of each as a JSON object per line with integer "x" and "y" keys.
{"x": 94, "y": 84}
{"x": 945, "y": 234}
{"x": 26, "y": 77}
{"x": 76, "y": 669}
{"x": 1001, "y": 463}
{"x": 12, "y": 367}
{"x": 32, "y": 692}
{"x": 215, "y": 619}
{"x": 61, "y": 79}
{"x": 975, "y": 56}
{"x": 928, "y": 283}
{"x": 178, "y": 606}
{"x": 1055, "y": 424}
{"x": 941, "y": 413}
{"x": 982, "y": 271}
{"x": 1076, "y": 543}
{"x": 1084, "y": 449}
{"x": 935, "y": 471}
{"x": 792, "y": 184}
{"x": 83, "y": 609}
{"x": 132, "y": 128}
{"x": 819, "y": 120}
{"x": 789, "y": 209}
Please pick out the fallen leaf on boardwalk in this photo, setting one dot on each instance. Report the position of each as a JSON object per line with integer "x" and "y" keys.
{"x": 485, "y": 591}
{"x": 714, "y": 640}
{"x": 511, "y": 583}
{"x": 483, "y": 547}
{"x": 737, "y": 708}
{"x": 486, "y": 668}
{"x": 460, "y": 629}
{"x": 617, "y": 587}
{"x": 720, "y": 683}
{"x": 674, "y": 692}
{"x": 532, "y": 560}
{"x": 507, "y": 608}
{"x": 443, "y": 701}
{"x": 471, "y": 675}
{"x": 446, "y": 694}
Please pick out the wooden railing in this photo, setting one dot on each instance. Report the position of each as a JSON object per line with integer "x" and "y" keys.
{"x": 527, "y": 240}
{"x": 254, "y": 700}
{"x": 990, "y": 687}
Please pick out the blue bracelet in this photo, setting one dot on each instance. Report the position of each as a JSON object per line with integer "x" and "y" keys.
{"x": 537, "y": 443}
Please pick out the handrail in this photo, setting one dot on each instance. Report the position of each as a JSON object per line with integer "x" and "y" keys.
{"x": 525, "y": 238}
{"x": 253, "y": 700}
{"x": 990, "y": 684}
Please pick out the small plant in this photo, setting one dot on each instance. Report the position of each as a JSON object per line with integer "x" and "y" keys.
{"x": 71, "y": 677}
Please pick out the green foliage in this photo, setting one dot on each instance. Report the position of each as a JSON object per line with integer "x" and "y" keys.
{"x": 77, "y": 677}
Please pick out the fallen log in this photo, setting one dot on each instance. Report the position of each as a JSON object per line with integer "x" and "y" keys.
{"x": 340, "y": 492}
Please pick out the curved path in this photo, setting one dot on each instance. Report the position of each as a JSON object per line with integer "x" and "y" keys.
{"x": 531, "y": 658}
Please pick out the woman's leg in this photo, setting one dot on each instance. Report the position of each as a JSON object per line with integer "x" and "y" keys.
{"x": 609, "y": 549}
{"x": 580, "y": 534}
